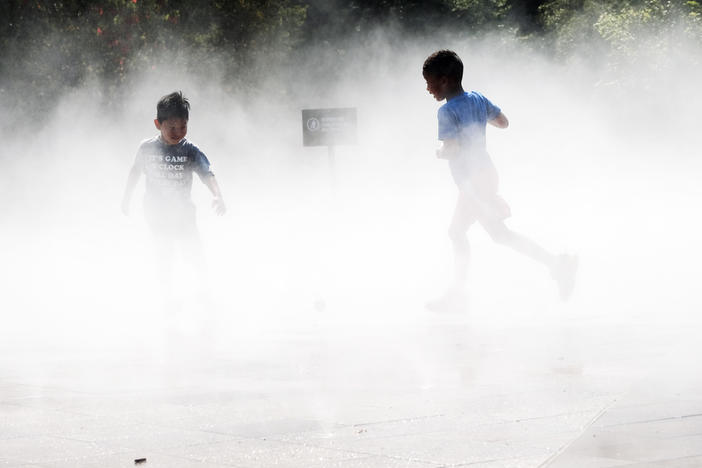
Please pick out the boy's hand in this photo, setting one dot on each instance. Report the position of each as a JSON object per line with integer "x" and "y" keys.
{"x": 218, "y": 205}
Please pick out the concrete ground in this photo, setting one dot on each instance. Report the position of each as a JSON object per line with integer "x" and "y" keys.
{"x": 343, "y": 384}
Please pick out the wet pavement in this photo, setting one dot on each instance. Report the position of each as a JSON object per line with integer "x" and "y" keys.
{"x": 333, "y": 388}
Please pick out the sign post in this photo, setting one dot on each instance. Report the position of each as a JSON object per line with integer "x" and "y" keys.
{"x": 330, "y": 128}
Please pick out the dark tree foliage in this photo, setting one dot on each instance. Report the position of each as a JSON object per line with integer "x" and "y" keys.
{"x": 332, "y": 19}
{"x": 49, "y": 47}
{"x": 52, "y": 46}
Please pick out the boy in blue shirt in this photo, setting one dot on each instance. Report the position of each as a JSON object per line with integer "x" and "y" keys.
{"x": 462, "y": 123}
{"x": 168, "y": 162}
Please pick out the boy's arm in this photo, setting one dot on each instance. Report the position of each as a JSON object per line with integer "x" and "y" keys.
{"x": 132, "y": 179}
{"x": 218, "y": 202}
{"x": 500, "y": 121}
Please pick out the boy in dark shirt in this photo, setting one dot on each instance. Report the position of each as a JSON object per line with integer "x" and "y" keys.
{"x": 462, "y": 123}
{"x": 168, "y": 161}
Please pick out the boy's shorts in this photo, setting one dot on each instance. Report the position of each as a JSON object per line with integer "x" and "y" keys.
{"x": 479, "y": 196}
{"x": 171, "y": 219}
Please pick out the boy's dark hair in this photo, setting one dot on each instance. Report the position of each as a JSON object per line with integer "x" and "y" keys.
{"x": 444, "y": 63}
{"x": 172, "y": 105}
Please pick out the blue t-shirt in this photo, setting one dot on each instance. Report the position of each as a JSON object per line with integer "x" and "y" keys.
{"x": 464, "y": 118}
{"x": 169, "y": 168}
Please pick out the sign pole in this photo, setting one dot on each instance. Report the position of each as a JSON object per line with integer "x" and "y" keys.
{"x": 329, "y": 127}
{"x": 331, "y": 152}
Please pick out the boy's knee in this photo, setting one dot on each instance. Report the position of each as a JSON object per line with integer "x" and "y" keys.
{"x": 457, "y": 234}
{"x": 500, "y": 234}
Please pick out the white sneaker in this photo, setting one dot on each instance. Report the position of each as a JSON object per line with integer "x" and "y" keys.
{"x": 563, "y": 272}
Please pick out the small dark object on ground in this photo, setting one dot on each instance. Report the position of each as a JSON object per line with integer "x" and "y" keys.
{"x": 139, "y": 460}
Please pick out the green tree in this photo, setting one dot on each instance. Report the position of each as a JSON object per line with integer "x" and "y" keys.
{"x": 52, "y": 46}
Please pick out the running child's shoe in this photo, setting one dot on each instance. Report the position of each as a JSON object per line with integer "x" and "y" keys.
{"x": 564, "y": 271}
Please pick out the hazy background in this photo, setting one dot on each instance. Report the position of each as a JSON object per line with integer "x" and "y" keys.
{"x": 601, "y": 159}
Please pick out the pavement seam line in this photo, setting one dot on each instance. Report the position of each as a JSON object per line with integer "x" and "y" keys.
{"x": 560, "y": 451}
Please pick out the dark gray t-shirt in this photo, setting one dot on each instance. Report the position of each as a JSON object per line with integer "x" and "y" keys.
{"x": 169, "y": 168}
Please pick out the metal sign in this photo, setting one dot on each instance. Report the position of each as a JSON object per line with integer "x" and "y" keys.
{"x": 329, "y": 127}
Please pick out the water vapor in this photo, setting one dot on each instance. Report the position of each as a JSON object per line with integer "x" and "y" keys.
{"x": 597, "y": 161}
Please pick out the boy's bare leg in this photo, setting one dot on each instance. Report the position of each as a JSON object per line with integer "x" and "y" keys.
{"x": 194, "y": 258}
{"x": 463, "y": 218}
{"x": 164, "y": 251}
{"x": 201, "y": 304}
{"x": 500, "y": 233}
{"x": 492, "y": 219}
{"x": 455, "y": 298}
{"x": 562, "y": 267}
{"x": 191, "y": 249}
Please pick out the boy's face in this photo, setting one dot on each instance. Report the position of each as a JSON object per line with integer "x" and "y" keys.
{"x": 172, "y": 130}
{"x": 438, "y": 86}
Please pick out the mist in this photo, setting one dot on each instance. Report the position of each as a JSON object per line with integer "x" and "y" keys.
{"x": 319, "y": 271}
